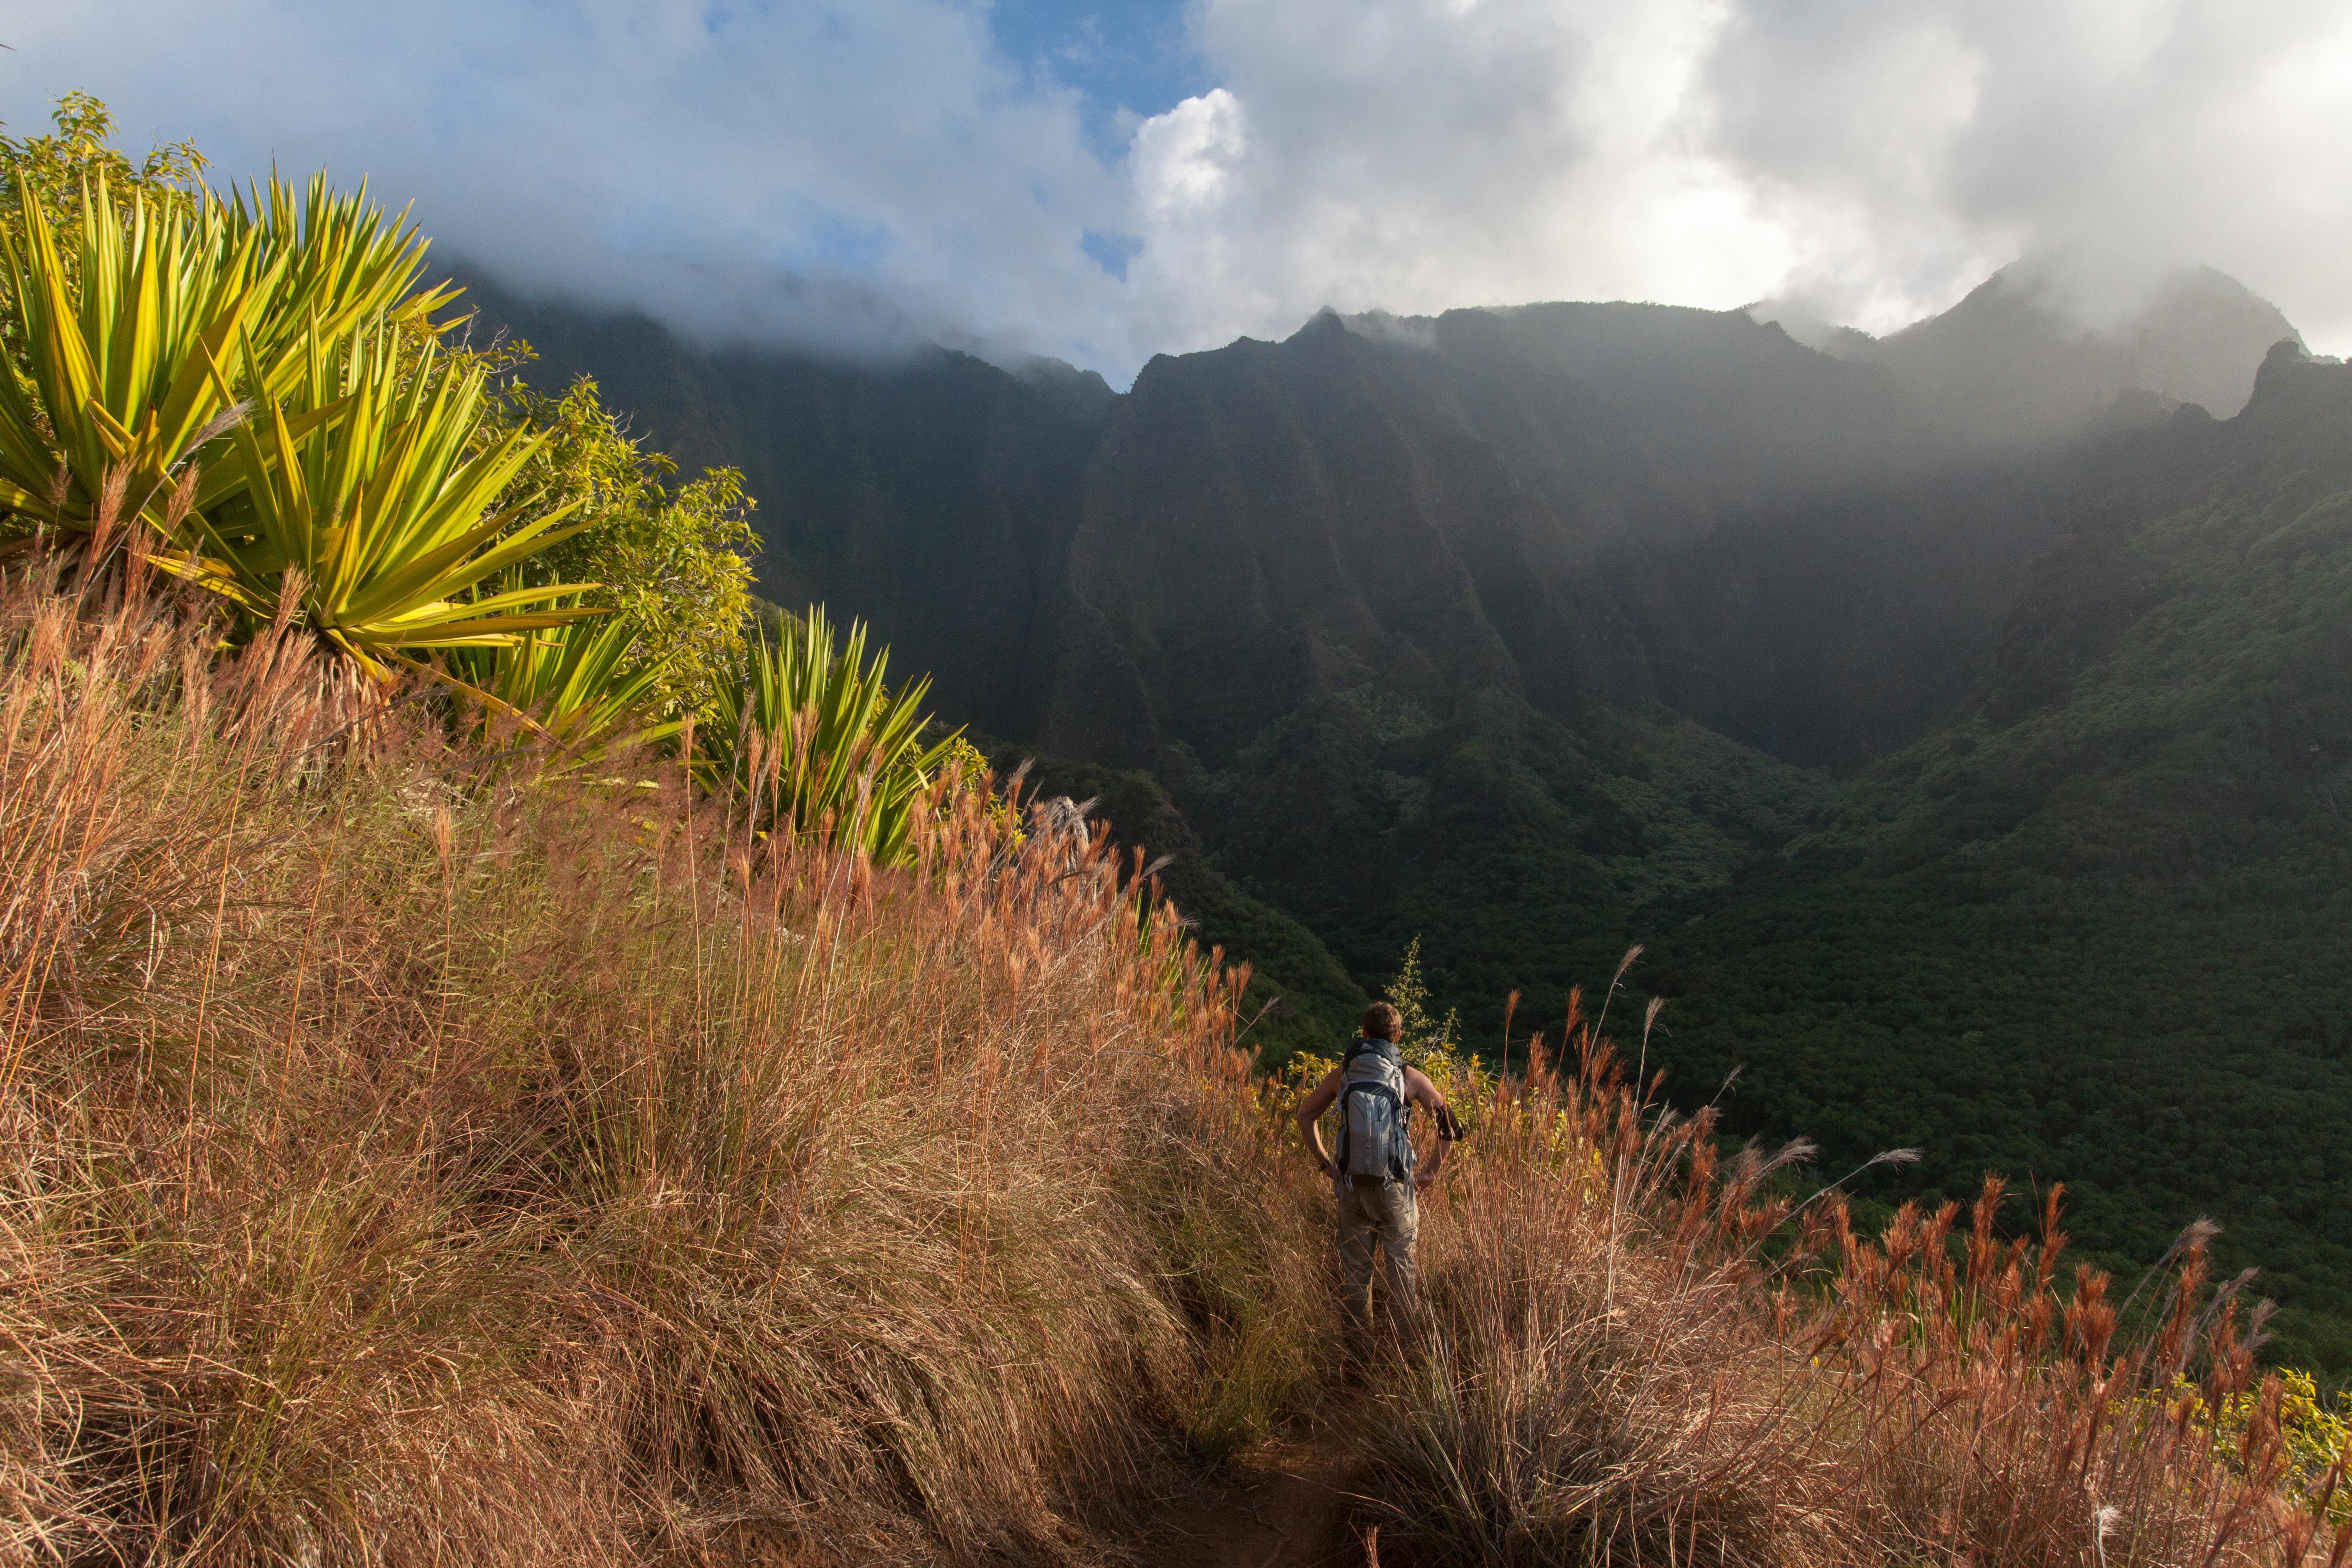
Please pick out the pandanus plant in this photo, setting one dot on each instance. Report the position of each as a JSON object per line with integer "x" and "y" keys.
{"x": 819, "y": 745}
{"x": 579, "y": 688}
{"x": 370, "y": 505}
{"x": 120, "y": 367}
{"x": 256, "y": 380}
{"x": 122, "y": 336}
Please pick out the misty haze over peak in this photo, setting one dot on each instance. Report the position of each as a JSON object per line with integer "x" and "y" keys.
{"x": 2019, "y": 360}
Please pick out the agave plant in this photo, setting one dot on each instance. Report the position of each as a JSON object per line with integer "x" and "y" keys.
{"x": 578, "y": 687}
{"x": 343, "y": 262}
{"x": 123, "y": 341}
{"x": 818, "y": 742}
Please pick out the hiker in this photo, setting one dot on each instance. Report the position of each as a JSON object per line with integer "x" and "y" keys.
{"x": 1373, "y": 1175}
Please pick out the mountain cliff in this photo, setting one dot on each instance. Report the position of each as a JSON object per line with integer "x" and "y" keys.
{"x": 1955, "y": 714}
{"x": 2015, "y": 367}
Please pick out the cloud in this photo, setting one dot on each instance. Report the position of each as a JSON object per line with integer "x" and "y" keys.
{"x": 1415, "y": 154}
{"x": 1876, "y": 160}
{"x": 880, "y": 172}
{"x": 1915, "y": 146}
{"x": 847, "y": 173}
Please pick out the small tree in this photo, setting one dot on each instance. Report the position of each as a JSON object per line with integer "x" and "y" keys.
{"x": 671, "y": 559}
{"x": 1435, "y": 1045}
{"x": 1432, "y": 1045}
{"x": 1422, "y": 1036}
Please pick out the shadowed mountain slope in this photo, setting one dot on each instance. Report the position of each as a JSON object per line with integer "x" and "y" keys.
{"x": 2009, "y": 368}
{"x": 934, "y": 495}
{"x": 1976, "y": 786}
{"x": 2097, "y": 927}
{"x": 1587, "y": 505}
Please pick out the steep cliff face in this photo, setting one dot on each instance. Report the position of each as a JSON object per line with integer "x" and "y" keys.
{"x": 1587, "y": 506}
{"x": 934, "y": 495}
{"x": 2012, "y": 366}
{"x": 1271, "y": 522}
{"x": 1584, "y": 506}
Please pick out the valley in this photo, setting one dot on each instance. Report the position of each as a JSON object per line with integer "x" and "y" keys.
{"x": 1958, "y": 720}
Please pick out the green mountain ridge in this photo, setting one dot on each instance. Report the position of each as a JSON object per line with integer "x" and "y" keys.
{"x": 1952, "y": 779}
{"x": 2099, "y": 928}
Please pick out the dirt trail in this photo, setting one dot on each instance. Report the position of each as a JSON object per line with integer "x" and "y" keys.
{"x": 1286, "y": 1505}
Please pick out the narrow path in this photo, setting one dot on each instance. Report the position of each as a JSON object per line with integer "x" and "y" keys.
{"x": 1285, "y": 1505}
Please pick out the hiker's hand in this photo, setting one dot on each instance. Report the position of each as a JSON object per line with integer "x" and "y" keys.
{"x": 1423, "y": 1179}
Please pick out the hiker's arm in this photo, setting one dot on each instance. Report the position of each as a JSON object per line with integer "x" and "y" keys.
{"x": 1424, "y": 1093}
{"x": 1312, "y": 1107}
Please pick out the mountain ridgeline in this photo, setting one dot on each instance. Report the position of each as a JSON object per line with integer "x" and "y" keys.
{"x": 1963, "y": 719}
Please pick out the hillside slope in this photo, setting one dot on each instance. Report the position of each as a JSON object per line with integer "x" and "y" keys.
{"x": 415, "y": 1152}
{"x": 2007, "y": 368}
{"x": 2098, "y": 928}
{"x": 1536, "y": 634}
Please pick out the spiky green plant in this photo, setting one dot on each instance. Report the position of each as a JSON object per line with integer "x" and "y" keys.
{"x": 816, "y": 742}
{"x": 343, "y": 262}
{"x": 580, "y": 688}
{"x": 372, "y": 507}
{"x": 122, "y": 367}
{"x": 123, "y": 340}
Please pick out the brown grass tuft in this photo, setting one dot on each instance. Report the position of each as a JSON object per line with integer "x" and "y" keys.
{"x": 1639, "y": 1353}
{"x": 402, "y": 1164}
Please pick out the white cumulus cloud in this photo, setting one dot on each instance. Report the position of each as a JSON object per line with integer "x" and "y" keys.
{"x": 1912, "y": 146}
{"x": 1414, "y": 154}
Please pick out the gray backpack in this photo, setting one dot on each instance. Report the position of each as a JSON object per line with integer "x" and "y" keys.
{"x": 1375, "y": 1118}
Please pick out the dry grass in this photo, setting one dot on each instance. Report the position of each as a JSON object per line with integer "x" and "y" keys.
{"x": 401, "y": 1165}
{"x": 1641, "y": 1354}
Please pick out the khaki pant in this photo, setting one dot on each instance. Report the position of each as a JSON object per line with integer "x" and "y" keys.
{"x": 1385, "y": 1217}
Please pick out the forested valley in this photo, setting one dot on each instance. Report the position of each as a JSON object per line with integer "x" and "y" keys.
{"x": 1957, "y": 720}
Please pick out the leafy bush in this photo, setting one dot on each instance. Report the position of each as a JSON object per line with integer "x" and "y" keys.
{"x": 672, "y": 560}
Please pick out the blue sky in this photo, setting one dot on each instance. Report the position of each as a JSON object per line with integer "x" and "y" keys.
{"x": 1102, "y": 182}
{"x": 1131, "y": 59}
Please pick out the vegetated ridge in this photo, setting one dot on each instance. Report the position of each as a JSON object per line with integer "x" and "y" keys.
{"x": 1536, "y": 633}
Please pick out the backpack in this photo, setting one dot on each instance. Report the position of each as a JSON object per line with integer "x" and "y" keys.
{"x": 1375, "y": 1118}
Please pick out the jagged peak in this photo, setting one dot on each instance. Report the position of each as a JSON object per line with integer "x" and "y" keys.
{"x": 1326, "y": 325}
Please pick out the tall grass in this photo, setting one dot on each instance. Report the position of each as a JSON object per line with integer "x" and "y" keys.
{"x": 406, "y": 1160}
{"x": 1642, "y": 1351}
{"x": 403, "y": 1163}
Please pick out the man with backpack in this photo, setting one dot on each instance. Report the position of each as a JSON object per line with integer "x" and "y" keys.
{"x": 1374, "y": 1173}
